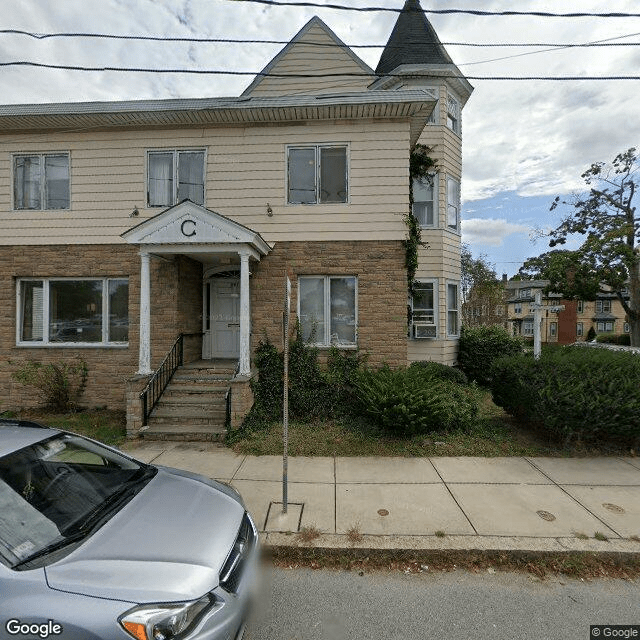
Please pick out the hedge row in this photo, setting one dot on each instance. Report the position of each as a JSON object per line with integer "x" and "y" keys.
{"x": 575, "y": 394}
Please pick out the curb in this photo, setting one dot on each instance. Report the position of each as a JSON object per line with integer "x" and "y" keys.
{"x": 372, "y": 543}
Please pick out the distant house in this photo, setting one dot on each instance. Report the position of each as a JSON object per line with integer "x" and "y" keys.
{"x": 572, "y": 324}
{"x": 125, "y": 225}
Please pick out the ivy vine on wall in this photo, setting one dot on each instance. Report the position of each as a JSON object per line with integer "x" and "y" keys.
{"x": 421, "y": 165}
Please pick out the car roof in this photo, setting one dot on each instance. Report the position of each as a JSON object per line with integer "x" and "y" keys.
{"x": 17, "y": 434}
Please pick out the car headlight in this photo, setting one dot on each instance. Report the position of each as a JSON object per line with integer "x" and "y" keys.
{"x": 164, "y": 621}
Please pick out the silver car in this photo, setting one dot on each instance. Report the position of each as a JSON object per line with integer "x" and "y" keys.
{"x": 95, "y": 545}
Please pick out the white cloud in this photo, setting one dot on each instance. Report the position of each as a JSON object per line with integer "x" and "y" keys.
{"x": 490, "y": 231}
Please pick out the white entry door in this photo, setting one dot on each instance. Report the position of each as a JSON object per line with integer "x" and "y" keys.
{"x": 221, "y": 318}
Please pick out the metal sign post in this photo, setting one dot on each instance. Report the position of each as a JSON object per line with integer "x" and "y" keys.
{"x": 285, "y": 405}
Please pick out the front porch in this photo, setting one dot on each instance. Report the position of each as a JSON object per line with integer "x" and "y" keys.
{"x": 208, "y": 257}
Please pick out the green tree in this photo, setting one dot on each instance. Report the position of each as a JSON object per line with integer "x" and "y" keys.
{"x": 483, "y": 295}
{"x": 606, "y": 215}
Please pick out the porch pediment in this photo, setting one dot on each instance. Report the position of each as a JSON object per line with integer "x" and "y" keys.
{"x": 188, "y": 223}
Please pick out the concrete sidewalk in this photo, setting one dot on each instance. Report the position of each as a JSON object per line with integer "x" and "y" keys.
{"x": 541, "y": 504}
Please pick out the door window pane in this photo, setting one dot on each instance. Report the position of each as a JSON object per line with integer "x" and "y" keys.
{"x": 333, "y": 174}
{"x": 191, "y": 176}
{"x": 343, "y": 310}
{"x": 75, "y": 311}
{"x": 302, "y": 176}
{"x": 312, "y": 309}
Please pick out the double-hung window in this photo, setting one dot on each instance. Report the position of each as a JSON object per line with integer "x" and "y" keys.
{"x": 453, "y": 203}
{"x": 317, "y": 174}
{"x": 580, "y": 306}
{"x": 453, "y": 114}
{"x": 41, "y": 181}
{"x": 423, "y": 201}
{"x": 603, "y": 306}
{"x": 517, "y": 307}
{"x": 57, "y": 311}
{"x": 174, "y": 176}
{"x": 327, "y": 309}
{"x": 553, "y": 329}
{"x": 424, "y": 307}
{"x": 607, "y": 327}
{"x": 453, "y": 304}
{"x": 579, "y": 329}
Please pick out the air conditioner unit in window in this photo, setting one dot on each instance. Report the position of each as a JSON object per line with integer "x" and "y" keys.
{"x": 424, "y": 330}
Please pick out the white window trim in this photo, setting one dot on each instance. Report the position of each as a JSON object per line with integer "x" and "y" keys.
{"x": 326, "y": 344}
{"x": 517, "y": 307}
{"x": 175, "y": 151}
{"x": 553, "y": 329}
{"x": 579, "y": 329}
{"x": 458, "y": 308}
{"x": 526, "y": 323}
{"x": 455, "y": 229}
{"x": 319, "y": 145}
{"x": 41, "y": 155}
{"x": 44, "y": 343}
{"x": 436, "y": 307}
{"x": 436, "y": 205}
{"x": 458, "y": 116}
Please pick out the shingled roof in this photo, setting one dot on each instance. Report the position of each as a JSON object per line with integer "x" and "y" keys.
{"x": 412, "y": 41}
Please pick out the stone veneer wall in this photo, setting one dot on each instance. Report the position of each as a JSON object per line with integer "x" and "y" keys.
{"x": 382, "y": 291}
{"x": 176, "y": 306}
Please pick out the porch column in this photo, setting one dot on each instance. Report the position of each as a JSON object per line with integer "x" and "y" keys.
{"x": 144, "y": 367}
{"x": 245, "y": 366}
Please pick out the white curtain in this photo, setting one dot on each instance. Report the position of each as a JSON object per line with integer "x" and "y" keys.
{"x": 161, "y": 179}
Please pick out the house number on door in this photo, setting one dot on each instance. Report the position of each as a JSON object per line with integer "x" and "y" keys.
{"x": 185, "y": 229}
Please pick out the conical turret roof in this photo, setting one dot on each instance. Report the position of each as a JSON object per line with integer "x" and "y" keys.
{"x": 412, "y": 41}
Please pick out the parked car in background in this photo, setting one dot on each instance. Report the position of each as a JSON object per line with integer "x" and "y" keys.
{"x": 95, "y": 545}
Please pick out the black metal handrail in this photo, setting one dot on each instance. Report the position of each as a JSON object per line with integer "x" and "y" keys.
{"x": 160, "y": 378}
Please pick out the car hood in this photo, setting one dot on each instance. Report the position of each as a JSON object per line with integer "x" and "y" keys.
{"x": 168, "y": 543}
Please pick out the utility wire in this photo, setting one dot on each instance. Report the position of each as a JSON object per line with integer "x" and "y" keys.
{"x": 111, "y": 36}
{"x": 473, "y": 12}
{"x": 42, "y": 65}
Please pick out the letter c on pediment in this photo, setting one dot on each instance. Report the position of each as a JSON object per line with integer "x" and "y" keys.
{"x": 188, "y": 230}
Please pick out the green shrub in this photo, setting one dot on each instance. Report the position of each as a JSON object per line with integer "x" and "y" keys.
{"x": 267, "y": 387}
{"x": 440, "y": 371}
{"x": 613, "y": 338}
{"x": 405, "y": 402}
{"x": 61, "y": 384}
{"x": 574, "y": 393}
{"x": 480, "y": 346}
{"x": 591, "y": 334}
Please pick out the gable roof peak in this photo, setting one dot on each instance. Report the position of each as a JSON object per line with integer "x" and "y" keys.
{"x": 413, "y": 41}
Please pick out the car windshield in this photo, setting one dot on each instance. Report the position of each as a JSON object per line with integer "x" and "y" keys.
{"x": 57, "y": 492}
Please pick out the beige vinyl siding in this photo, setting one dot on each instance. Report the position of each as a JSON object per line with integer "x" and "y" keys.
{"x": 310, "y": 59}
{"x": 246, "y": 169}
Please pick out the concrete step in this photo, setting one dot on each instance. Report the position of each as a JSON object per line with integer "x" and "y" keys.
{"x": 188, "y": 411}
{"x": 196, "y": 395}
{"x": 190, "y": 432}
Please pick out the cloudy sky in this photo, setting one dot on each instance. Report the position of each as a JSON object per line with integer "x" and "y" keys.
{"x": 524, "y": 142}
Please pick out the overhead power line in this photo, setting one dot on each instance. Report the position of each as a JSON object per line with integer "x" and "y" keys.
{"x": 113, "y": 36}
{"x": 473, "y": 12}
{"x": 42, "y": 65}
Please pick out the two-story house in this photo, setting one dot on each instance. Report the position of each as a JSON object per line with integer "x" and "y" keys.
{"x": 605, "y": 314}
{"x": 125, "y": 225}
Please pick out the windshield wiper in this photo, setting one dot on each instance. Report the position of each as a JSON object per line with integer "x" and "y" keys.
{"x": 125, "y": 492}
{"x": 50, "y": 548}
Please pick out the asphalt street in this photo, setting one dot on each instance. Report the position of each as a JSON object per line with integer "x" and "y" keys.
{"x": 303, "y": 604}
